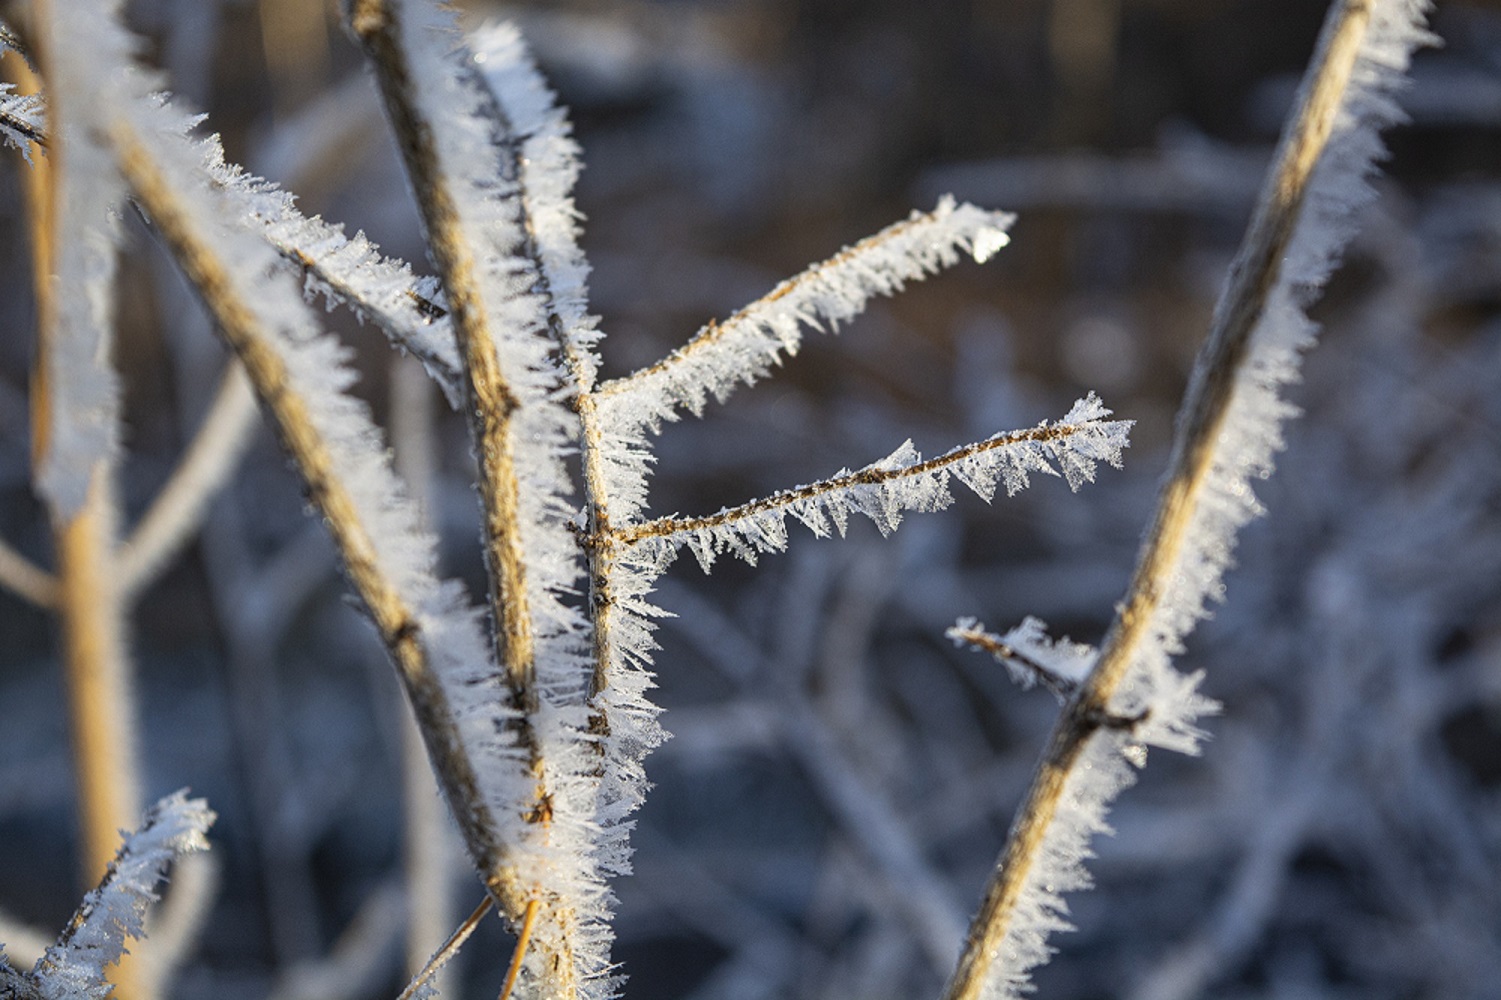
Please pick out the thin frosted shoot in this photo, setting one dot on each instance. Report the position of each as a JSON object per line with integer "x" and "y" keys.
{"x": 74, "y": 967}
{"x": 1031, "y": 656}
{"x": 902, "y": 481}
{"x": 746, "y": 346}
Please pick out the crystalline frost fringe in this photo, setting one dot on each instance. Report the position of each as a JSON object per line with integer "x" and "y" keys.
{"x": 1250, "y": 438}
{"x": 73, "y": 968}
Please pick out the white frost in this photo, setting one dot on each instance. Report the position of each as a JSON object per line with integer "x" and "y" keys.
{"x": 1167, "y": 702}
{"x": 73, "y": 968}
{"x": 903, "y": 481}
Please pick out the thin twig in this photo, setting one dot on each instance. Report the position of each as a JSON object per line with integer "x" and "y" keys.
{"x": 1061, "y": 687}
{"x": 666, "y": 526}
{"x": 1209, "y": 394}
{"x": 204, "y": 469}
{"x": 26, "y": 579}
{"x": 450, "y": 947}
{"x": 518, "y": 956}
{"x": 715, "y": 331}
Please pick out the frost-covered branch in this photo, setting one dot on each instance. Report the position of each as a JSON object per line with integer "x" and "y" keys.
{"x": 544, "y": 159}
{"x": 746, "y": 346}
{"x": 22, "y": 121}
{"x": 73, "y": 968}
{"x": 1030, "y": 655}
{"x": 1229, "y": 430}
{"x": 348, "y": 270}
{"x": 75, "y": 198}
{"x": 460, "y": 156}
{"x": 343, "y": 270}
{"x": 302, "y": 377}
{"x": 900, "y": 482}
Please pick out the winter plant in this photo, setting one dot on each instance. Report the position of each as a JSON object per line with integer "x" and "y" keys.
{"x": 534, "y": 708}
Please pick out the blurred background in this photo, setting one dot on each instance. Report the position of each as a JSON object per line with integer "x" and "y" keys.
{"x": 841, "y": 778}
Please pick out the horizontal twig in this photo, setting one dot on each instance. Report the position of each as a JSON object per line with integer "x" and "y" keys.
{"x": 26, "y": 579}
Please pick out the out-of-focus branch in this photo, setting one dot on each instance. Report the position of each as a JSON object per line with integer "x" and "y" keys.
{"x": 178, "y": 510}
{"x": 26, "y": 579}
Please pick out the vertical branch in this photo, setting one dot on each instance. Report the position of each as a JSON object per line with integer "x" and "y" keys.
{"x": 449, "y": 131}
{"x": 489, "y": 398}
{"x": 89, "y": 603}
{"x": 428, "y": 847}
{"x": 1228, "y": 430}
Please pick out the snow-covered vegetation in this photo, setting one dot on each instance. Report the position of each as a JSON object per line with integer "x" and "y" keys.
{"x": 525, "y": 643}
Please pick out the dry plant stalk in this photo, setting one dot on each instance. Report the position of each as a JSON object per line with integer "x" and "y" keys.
{"x": 1198, "y": 451}
{"x": 90, "y": 605}
{"x": 538, "y": 734}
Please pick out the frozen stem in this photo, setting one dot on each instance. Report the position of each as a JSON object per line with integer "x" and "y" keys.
{"x": 1252, "y": 278}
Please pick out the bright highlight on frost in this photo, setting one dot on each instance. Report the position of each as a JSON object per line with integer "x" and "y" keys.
{"x": 74, "y": 967}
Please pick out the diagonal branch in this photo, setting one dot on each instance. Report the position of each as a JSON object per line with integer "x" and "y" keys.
{"x": 178, "y": 509}
{"x": 1228, "y": 429}
{"x": 416, "y": 619}
{"x": 349, "y": 270}
{"x": 26, "y": 579}
{"x": 1030, "y": 655}
{"x": 746, "y": 346}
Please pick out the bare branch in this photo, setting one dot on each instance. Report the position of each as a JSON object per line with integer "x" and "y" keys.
{"x": 450, "y": 948}
{"x": 204, "y": 469}
{"x": 26, "y": 579}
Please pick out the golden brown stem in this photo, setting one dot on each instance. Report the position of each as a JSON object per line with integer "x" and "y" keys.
{"x": 450, "y": 948}
{"x": 394, "y": 620}
{"x": 518, "y": 956}
{"x": 491, "y": 404}
{"x": 1253, "y": 275}
{"x": 89, "y": 605}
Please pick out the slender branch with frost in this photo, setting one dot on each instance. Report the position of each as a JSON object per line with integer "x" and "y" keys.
{"x": 73, "y": 967}
{"x": 75, "y": 199}
{"x": 543, "y": 157}
{"x": 902, "y": 481}
{"x": 348, "y": 270}
{"x": 177, "y": 510}
{"x": 343, "y": 270}
{"x": 302, "y": 377}
{"x": 22, "y": 121}
{"x": 458, "y": 154}
{"x": 1229, "y": 429}
{"x": 1030, "y": 655}
{"x": 745, "y": 347}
